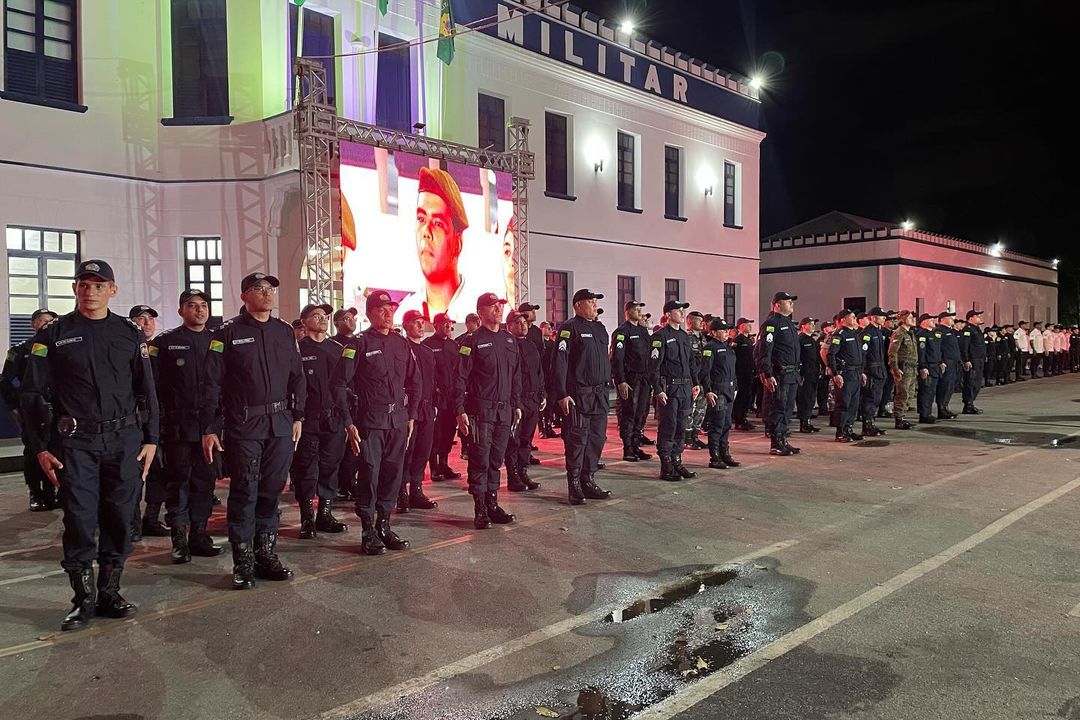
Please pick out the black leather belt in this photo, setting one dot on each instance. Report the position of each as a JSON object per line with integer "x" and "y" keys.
{"x": 252, "y": 411}
{"x": 68, "y": 426}
{"x": 875, "y": 365}
{"x": 678, "y": 381}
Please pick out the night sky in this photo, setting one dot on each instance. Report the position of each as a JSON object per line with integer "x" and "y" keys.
{"x": 953, "y": 114}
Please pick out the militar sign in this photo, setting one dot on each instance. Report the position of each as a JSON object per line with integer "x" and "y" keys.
{"x": 554, "y": 37}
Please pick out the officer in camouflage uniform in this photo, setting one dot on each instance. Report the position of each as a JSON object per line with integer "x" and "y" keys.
{"x": 904, "y": 367}
{"x": 695, "y": 323}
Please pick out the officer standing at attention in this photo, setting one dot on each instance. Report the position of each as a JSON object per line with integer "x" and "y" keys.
{"x": 379, "y": 369}
{"x": 580, "y": 372}
{"x": 149, "y": 522}
{"x": 950, "y": 356}
{"x": 903, "y": 366}
{"x": 931, "y": 366}
{"x": 93, "y": 366}
{"x": 973, "y": 356}
{"x": 254, "y": 380}
{"x": 322, "y": 444}
{"x": 345, "y": 326}
{"x": 446, "y": 360}
{"x": 487, "y": 404}
{"x": 695, "y": 323}
{"x": 744, "y": 374}
{"x": 845, "y": 360}
{"x": 630, "y": 370}
{"x": 533, "y": 402}
{"x": 888, "y": 388}
{"x": 809, "y": 374}
{"x": 718, "y": 387}
{"x": 411, "y": 495}
{"x": 42, "y": 492}
{"x": 472, "y": 324}
{"x": 875, "y": 346}
{"x": 178, "y": 357}
{"x": 776, "y": 359}
{"x": 671, "y": 377}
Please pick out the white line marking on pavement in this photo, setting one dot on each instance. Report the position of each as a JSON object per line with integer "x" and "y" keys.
{"x": 33, "y": 576}
{"x": 467, "y": 664}
{"x": 695, "y": 693}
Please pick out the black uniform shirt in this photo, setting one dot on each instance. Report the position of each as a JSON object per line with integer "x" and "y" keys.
{"x": 670, "y": 357}
{"x": 777, "y": 346}
{"x": 718, "y": 370}
{"x": 950, "y": 347}
{"x": 488, "y": 385}
{"x": 629, "y": 351}
{"x": 381, "y": 372}
{"x": 91, "y": 370}
{"x": 929, "y": 349}
{"x": 445, "y": 352}
{"x": 252, "y": 365}
{"x": 319, "y": 360}
{"x": 876, "y": 349}
{"x": 536, "y": 338}
{"x": 580, "y": 367}
{"x": 530, "y": 365}
{"x": 178, "y": 357}
{"x": 12, "y": 376}
{"x": 744, "y": 356}
{"x": 845, "y": 351}
{"x": 697, "y": 350}
{"x": 972, "y": 344}
{"x": 424, "y": 357}
{"x": 809, "y": 357}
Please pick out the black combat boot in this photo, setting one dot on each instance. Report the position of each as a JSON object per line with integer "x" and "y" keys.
{"x": 695, "y": 441}
{"x": 180, "y": 552}
{"x": 680, "y": 469}
{"x": 593, "y": 491}
{"x": 900, "y": 423}
{"x": 528, "y": 482}
{"x": 970, "y": 409}
{"x": 869, "y": 430}
{"x": 436, "y": 466}
{"x": 325, "y": 520}
{"x": 628, "y": 453}
{"x": 419, "y": 501}
{"x": 495, "y": 513}
{"x": 513, "y": 479}
{"x": 267, "y": 564}
{"x": 642, "y": 440}
{"x": 638, "y": 452}
{"x": 448, "y": 473}
{"x": 667, "y": 469}
{"x": 794, "y": 450}
{"x": 389, "y": 538}
{"x": 307, "y": 520}
{"x": 243, "y": 571}
{"x": 715, "y": 461}
{"x": 574, "y": 489}
{"x": 370, "y": 543}
{"x": 82, "y": 604}
{"x": 852, "y": 434}
{"x": 725, "y": 455}
{"x": 402, "y": 500}
{"x": 927, "y": 419}
{"x": 778, "y": 446}
{"x": 805, "y": 426}
{"x": 109, "y": 601}
{"x": 151, "y": 525}
{"x": 136, "y": 525}
{"x": 481, "y": 521}
{"x": 200, "y": 543}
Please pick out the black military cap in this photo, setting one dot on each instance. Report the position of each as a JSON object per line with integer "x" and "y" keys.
{"x": 1022, "y": 323}
{"x": 585, "y": 294}
{"x": 783, "y": 295}
{"x": 43, "y": 311}
{"x": 377, "y": 299}
{"x": 312, "y": 307}
{"x": 927, "y": 316}
{"x": 807, "y": 320}
{"x": 877, "y": 312}
{"x": 249, "y": 281}
{"x": 743, "y": 321}
{"x": 890, "y": 314}
{"x": 192, "y": 293}
{"x": 488, "y": 299}
{"x": 1006, "y": 325}
{"x": 95, "y": 268}
{"x": 842, "y": 314}
{"x": 411, "y": 316}
{"x": 860, "y": 316}
{"x": 943, "y": 315}
{"x": 633, "y": 304}
{"x": 513, "y": 315}
{"x": 137, "y": 310}
{"x": 695, "y": 313}
{"x": 718, "y": 324}
{"x": 675, "y": 305}
{"x": 527, "y": 307}
{"x": 648, "y": 316}
{"x": 972, "y": 313}
{"x": 338, "y": 314}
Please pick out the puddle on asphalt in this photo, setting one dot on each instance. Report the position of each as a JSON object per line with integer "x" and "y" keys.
{"x": 680, "y": 592}
{"x": 1006, "y": 437}
{"x": 872, "y": 443}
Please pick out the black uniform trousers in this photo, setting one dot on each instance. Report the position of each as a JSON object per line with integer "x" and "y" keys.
{"x": 519, "y": 447}
{"x": 823, "y": 384}
{"x": 928, "y": 393}
{"x": 442, "y": 439}
{"x": 39, "y": 484}
{"x": 1036, "y": 360}
{"x": 190, "y": 496}
{"x": 847, "y": 399}
{"x": 888, "y": 389}
{"x": 99, "y": 491}
{"x": 671, "y": 425}
{"x": 156, "y": 487}
{"x": 380, "y": 469}
{"x": 583, "y": 441}
{"x": 973, "y": 382}
{"x": 316, "y": 462}
{"x": 418, "y": 453}
{"x": 257, "y": 471}
{"x": 742, "y": 398}
{"x": 947, "y": 385}
{"x": 347, "y": 474}
{"x": 632, "y": 411}
{"x": 871, "y": 396}
{"x": 486, "y": 447}
{"x": 805, "y": 397}
{"x": 718, "y": 420}
{"x": 1020, "y": 360}
{"x": 777, "y": 406}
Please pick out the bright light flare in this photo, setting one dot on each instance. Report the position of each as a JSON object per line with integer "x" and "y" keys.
{"x": 627, "y": 26}
{"x": 757, "y": 82}
{"x": 997, "y": 249}
{"x": 907, "y": 225}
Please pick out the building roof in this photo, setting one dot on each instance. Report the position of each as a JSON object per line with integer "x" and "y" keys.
{"x": 831, "y": 223}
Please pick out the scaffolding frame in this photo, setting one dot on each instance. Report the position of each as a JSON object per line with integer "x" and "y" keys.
{"x": 319, "y": 131}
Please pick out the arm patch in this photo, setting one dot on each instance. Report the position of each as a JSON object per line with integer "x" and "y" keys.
{"x": 564, "y": 333}
{"x": 657, "y": 343}
{"x": 465, "y": 350}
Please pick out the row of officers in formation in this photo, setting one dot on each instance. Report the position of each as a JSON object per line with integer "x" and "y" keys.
{"x": 108, "y": 408}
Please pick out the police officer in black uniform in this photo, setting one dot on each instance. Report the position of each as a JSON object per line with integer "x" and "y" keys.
{"x": 533, "y": 402}
{"x": 318, "y": 455}
{"x": 345, "y": 330}
{"x": 154, "y": 492}
{"x": 672, "y": 379}
{"x": 630, "y": 370}
{"x": 717, "y": 380}
{"x": 889, "y": 387}
{"x": 91, "y": 411}
{"x": 776, "y": 359}
{"x": 875, "y": 347}
{"x": 487, "y": 401}
{"x": 42, "y": 492}
{"x": 950, "y": 355}
{"x": 580, "y": 372}
{"x": 379, "y": 369}
{"x": 972, "y": 346}
{"x": 411, "y": 495}
{"x": 178, "y": 357}
{"x": 809, "y": 374}
{"x": 744, "y": 374}
{"x": 845, "y": 360}
{"x": 930, "y": 366}
{"x": 446, "y": 358}
{"x": 255, "y": 383}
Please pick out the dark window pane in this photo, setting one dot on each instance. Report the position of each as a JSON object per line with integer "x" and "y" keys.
{"x": 672, "y": 189}
{"x": 40, "y": 52}
{"x": 200, "y": 59}
{"x": 671, "y": 289}
{"x": 318, "y": 41}
{"x": 557, "y": 296}
{"x": 491, "y": 122}
{"x": 627, "y": 291}
{"x": 393, "y": 96}
{"x": 626, "y": 171}
{"x": 556, "y": 176}
{"x": 729, "y": 193}
{"x": 729, "y": 303}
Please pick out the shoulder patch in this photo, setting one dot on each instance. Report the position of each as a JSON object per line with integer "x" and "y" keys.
{"x": 657, "y": 343}
{"x": 770, "y": 328}
{"x": 967, "y": 334}
{"x": 348, "y": 353}
{"x": 836, "y": 341}
{"x": 465, "y": 350}
{"x": 564, "y": 333}
{"x": 620, "y": 336}
{"x": 707, "y": 353}
{"x": 217, "y": 346}
{"x": 153, "y": 350}
{"x": 39, "y": 350}
{"x": 866, "y": 338}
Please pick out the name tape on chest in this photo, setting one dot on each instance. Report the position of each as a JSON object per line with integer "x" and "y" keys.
{"x": 68, "y": 341}
{"x": 371, "y": 353}
{"x": 243, "y": 341}
{"x": 309, "y": 358}
{"x": 483, "y": 345}
{"x": 179, "y": 347}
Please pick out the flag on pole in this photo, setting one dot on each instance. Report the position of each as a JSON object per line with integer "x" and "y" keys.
{"x": 446, "y": 34}
{"x": 383, "y": 6}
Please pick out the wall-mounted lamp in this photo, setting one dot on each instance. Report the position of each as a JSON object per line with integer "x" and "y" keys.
{"x": 598, "y": 166}
{"x": 708, "y": 190}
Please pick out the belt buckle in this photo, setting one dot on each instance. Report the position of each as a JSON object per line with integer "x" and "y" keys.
{"x": 244, "y": 415}
{"x": 391, "y": 408}
{"x": 66, "y": 425}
